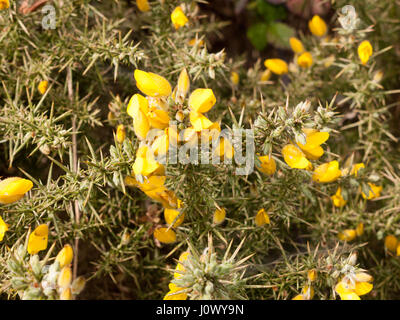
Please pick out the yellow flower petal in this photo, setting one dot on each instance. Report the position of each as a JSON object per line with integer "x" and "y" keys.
{"x": 4, "y": 4}
{"x": 262, "y": 218}
{"x": 317, "y": 26}
{"x": 268, "y": 165}
{"x": 38, "y": 239}
{"x": 199, "y": 121}
{"x": 277, "y": 66}
{"x": 360, "y": 229}
{"x": 164, "y": 235}
{"x": 13, "y": 189}
{"x": 65, "y": 277}
{"x": 121, "y": 133}
{"x": 337, "y": 199}
{"x": 143, "y": 5}
{"x": 171, "y": 214}
{"x": 363, "y": 288}
{"x": 202, "y": 100}
{"x": 327, "y": 172}
{"x": 3, "y": 228}
{"x": 305, "y": 60}
{"x": 294, "y": 157}
{"x": 296, "y": 45}
{"x": 219, "y": 216}
{"x": 375, "y": 192}
{"x": 178, "y": 18}
{"x": 364, "y": 51}
{"x": 347, "y": 235}
{"x": 43, "y": 85}
{"x": 152, "y": 84}
{"x": 234, "y": 78}
{"x": 391, "y": 243}
{"x": 65, "y": 256}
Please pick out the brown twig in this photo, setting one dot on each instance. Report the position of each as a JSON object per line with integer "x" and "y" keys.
{"x": 25, "y": 8}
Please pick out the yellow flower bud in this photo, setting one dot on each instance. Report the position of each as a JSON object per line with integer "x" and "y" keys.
{"x": 294, "y": 157}
{"x": 178, "y": 18}
{"x": 347, "y": 235}
{"x": 235, "y": 78}
{"x": 268, "y": 165}
{"x": 364, "y": 51}
{"x": 38, "y": 239}
{"x": 65, "y": 256}
{"x": 194, "y": 41}
{"x": 121, "y": 133}
{"x": 296, "y": 45}
{"x": 65, "y": 277}
{"x": 182, "y": 87}
{"x": 143, "y": 5}
{"x": 337, "y": 199}
{"x": 43, "y": 85}
{"x": 265, "y": 75}
{"x": 360, "y": 229}
{"x": 317, "y": 26}
{"x": 391, "y": 243}
{"x": 329, "y": 61}
{"x": 327, "y": 172}
{"x": 152, "y": 84}
{"x": 305, "y": 60}
{"x": 66, "y": 294}
{"x": 164, "y": 235}
{"x": 277, "y": 66}
{"x": 4, "y": 4}
{"x": 202, "y": 100}
{"x": 262, "y": 218}
{"x": 375, "y": 192}
{"x": 219, "y": 216}
{"x": 78, "y": 285}
{"x": 312, "y": 275}
{"x": 13, "y": 189}
{"x": 3, "y": 228}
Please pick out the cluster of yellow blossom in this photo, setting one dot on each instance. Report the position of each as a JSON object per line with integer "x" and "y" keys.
{"x": 4, "y": 4}
{"x": 175, "y": 292}
{"x": 351, "y": 234}
{"x": 307, "y": 293}
{"x": 392, "y": 244}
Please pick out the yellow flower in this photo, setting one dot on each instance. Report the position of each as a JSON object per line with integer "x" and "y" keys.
{"x": 391, "y": 243}
{"x": 317, "y": 26}
{"x": 219, "y": 216}
{"x": 307, "y": 293}
{"x": 265, "y": 75}
{"x": 199, "y": 121}
{"x": 360, "y": 229}
{"x": 178, "y": 18}
{"x": 145, "y": 164}
{"x": 347, "y": 235}
{"x": 65, "y": 277}
{"x": 43, "y": 85}
{"x": 305, "y": 60}
{"x": 171, "y": 214}
{"x": 234, "y": 78}
{"x": 364, "y": 51}
{"x": 327, "y": 172}
{"x": 121, "y": 133}
{"x": 4, "y": 4}
{"x": 268, "y": 165}
{"x": 277, "y": 66}
{"x": 143, "y": 5}
{"x": 3, "y": 228}
{"x": 38, "y": 239}
{"x": 312, "y": 275}
{"x": 294, "y": 157}
{"x": 375, "y": 192}
{"x": 356, "y": 167}
{"x": 202, "y": 100}
{"x": 174, "y": 294}
{"x": 183, "y": 86}
{"x": 224, "y": 149}
{"x": 160, "y": 145}
{"x": 164, "y": 235}
{"x": 152, "y": 84}
{"x": 195, "y": 41}
{"x": 296, "y": 45}
{"x": 180, "y": 267}
{"x": 262, "y": 218}
{"x": 13, "y": 189}
{"x": 66, "y": 294}
{"x": 348, "y": 290}
{"x": 65, "y": 256}
{"x": 337, "y": 199}
{"x": 314, "y": 139}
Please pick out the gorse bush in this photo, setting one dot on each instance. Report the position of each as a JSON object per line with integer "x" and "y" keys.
{"x": 138, "y": 161}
